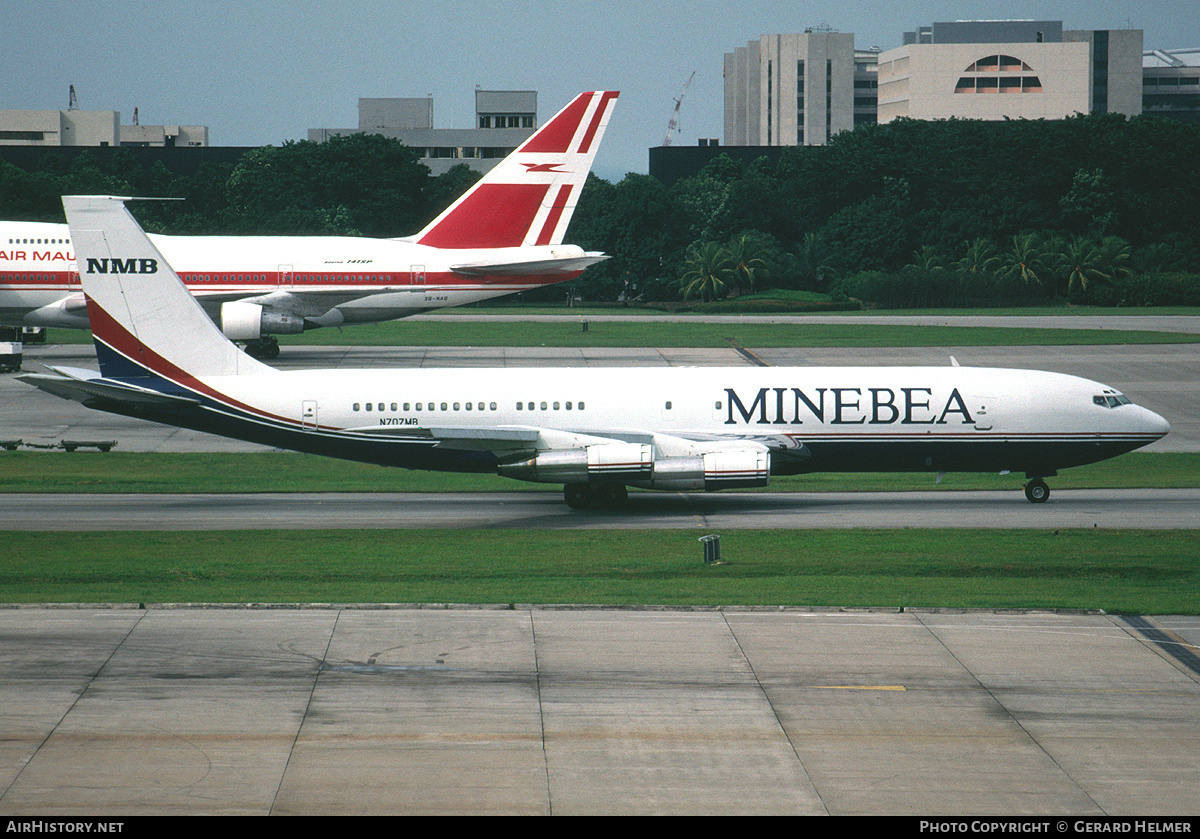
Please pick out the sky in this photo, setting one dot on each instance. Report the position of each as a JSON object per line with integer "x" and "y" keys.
{"x": 259, "y": 72}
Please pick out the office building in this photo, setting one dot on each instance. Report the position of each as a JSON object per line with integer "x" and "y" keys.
{"x": 503, "y": 120}
{"x": 1171, "y": 84}
{"x": 74, "y": 127}
{"x": 1021, "y": 69}
{"x": 797, "y": 89}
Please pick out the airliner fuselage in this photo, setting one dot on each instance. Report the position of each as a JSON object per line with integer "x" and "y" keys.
{"x": 655, "y": 422}
{"x": 321, "y": 280}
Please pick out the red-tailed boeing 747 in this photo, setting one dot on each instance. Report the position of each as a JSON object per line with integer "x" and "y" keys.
{"x": 504, "y": 235}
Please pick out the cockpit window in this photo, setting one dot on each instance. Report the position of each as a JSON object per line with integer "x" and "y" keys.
{"x": 1111, "y": 400}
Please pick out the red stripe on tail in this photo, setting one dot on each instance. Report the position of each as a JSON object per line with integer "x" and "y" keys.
{"x": 556, "y": 211}
{"x": 494, "y": 216}
{"x": 556, "y": 135}
{"x": 597, "y": 118}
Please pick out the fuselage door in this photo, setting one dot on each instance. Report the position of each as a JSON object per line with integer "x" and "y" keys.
{"x": 417, "y": 275}
{"x": 285, "y": 276}
{"x": 978, "y": 405}
{"x": 308, "y": 413}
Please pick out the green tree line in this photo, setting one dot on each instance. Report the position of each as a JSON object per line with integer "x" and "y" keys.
{"x": 1100, "y": 209}
{"x": 355, "y": 185}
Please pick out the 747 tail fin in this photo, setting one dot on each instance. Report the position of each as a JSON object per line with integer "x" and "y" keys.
{"x": 528, "y": 198}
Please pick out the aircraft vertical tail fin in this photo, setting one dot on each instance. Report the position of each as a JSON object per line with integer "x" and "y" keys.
{"x": 144, "y": 320}
{"x": 528, "y": 198}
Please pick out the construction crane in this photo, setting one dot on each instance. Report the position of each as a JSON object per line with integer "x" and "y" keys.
{"x": 673, "y": 125}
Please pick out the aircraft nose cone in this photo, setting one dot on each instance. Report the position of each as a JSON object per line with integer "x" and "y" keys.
{"x": 1156, "y": 424}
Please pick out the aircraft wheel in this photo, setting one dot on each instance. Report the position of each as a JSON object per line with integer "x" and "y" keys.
{"x": 267, "y": 348}
{"x": 578, "y": 496}
{"x": 1037, "y": 491}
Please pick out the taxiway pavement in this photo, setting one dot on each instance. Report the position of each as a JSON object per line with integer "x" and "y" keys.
{"x": 534, "y": 710}
{"x": 1148, "y": 509}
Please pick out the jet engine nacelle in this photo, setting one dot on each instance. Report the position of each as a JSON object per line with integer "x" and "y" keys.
{"x": 711, "y": 471}
{"x": 635, "y": 464}
{"x": 57, "y": 314}
{"x": 250, "y": 321}
{"x": 609, "y": 462}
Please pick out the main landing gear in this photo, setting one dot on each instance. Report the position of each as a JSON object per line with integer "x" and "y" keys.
{"x": 585, "y": 496}
{"x": 267, "y": 348}
{"x": 1037, "y": 491}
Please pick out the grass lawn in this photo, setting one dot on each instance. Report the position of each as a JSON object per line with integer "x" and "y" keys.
{"x": 1142, "y": 572}
{"x": 1145, "y": 572}
{"x": 668, "y": 333}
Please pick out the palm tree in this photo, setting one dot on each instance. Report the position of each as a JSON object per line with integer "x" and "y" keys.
{"x": 1026, "y": 260}
{"x": 976, "y": 271}
{"x": 981, "y": 258}
{"x": 710, "y": 269}
{"x": 1087, "y": 261}
{"x": 816, "y": 264}
{"x": 1160, "y": 257}
{"x": 750, "y": 261}
{"x": 929, "y": 259}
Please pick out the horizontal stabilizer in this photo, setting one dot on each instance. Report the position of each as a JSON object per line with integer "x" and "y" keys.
{"x": 565, "y": 265}
{"x": 67, "y": 384}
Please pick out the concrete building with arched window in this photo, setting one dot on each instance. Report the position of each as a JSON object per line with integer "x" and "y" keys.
{"x": 1011, "y": 69}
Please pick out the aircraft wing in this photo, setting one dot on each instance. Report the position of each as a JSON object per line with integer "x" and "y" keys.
{"x": 307, "y": 303}
{"x": 88, "y": 387}
{"x": 501, "y": 440}
{"x": 510, "y": 443}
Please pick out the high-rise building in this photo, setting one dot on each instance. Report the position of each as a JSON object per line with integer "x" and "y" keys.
{"x": 797, "y": 89}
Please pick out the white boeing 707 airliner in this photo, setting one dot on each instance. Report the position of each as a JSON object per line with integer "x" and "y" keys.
{"x": 596, "y": 431}
{"x": 504, "y": 235}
